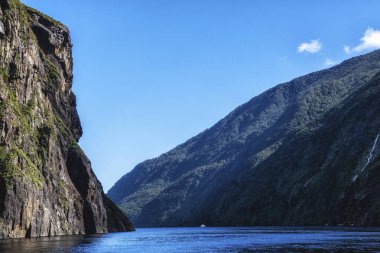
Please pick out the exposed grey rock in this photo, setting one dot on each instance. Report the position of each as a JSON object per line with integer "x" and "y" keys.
{"x": 2, "y": 29}
{"x": 47, "y": 186}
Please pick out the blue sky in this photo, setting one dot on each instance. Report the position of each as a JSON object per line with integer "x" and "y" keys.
{"x": 149, "y": 74}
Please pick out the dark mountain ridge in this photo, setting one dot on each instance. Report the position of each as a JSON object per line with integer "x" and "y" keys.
{"x": 286, "y": 157}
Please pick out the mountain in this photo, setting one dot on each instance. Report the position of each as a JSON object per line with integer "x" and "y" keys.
{"x": 47, "y": 186}
{"x": 305, "y": 152}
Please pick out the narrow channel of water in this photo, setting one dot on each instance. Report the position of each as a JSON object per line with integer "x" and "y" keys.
{"x": 227, "y": 239}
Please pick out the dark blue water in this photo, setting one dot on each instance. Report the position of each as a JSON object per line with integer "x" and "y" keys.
{"x": 238, "y": 239}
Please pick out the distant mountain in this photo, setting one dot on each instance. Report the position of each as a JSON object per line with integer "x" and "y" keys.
{"x": 305, "y": 152}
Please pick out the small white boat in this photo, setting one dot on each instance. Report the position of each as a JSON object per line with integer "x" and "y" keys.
{"x": 203, "y": 226}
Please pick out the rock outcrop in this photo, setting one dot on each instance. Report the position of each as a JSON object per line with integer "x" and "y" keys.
{"x": 305, "y": 152}
{"x": 47, "y": 186}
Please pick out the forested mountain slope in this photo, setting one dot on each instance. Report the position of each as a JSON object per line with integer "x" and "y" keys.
{"x": 301, "y": 153}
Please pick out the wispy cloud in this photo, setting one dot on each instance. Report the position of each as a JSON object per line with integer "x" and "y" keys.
{"x": 346, "y": 49}
{"x": 329, "y": 62}
{"x": 312, "y": 47}
{"x": 370, "y": 40}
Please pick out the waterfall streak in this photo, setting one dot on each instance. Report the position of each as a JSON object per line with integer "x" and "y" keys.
{"x": 370, "y": 155}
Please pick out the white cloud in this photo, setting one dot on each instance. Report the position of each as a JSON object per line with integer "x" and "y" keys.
{"x": 329, "y": 62}
{"x": 370, "y": 40}
{"x": 312, "y": 47}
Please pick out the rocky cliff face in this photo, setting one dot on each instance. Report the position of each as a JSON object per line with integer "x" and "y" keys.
{"x": 303, "y": 153}
{"x": 47, "y": 186}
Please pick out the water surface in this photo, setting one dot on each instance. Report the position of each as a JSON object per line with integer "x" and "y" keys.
{"x": 235, "y": 239}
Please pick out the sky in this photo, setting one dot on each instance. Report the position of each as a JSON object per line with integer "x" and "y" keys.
{"x": 150, "y": 74}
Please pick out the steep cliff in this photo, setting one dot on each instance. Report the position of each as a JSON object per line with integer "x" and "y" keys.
{"x": 47, "y": 186}
{"x": 301, "y": 153}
